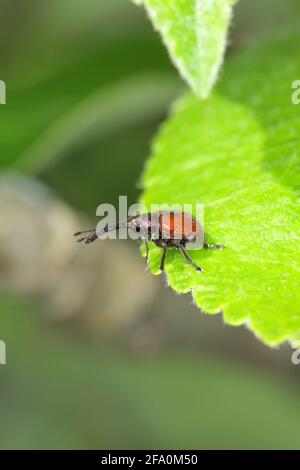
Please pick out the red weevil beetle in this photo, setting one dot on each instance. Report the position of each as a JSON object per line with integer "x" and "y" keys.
{"x": 164, "y": 229}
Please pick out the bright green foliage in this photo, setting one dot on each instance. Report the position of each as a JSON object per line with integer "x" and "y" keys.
{"x": 239, "y": 155}
{"x": 194, "y": 32}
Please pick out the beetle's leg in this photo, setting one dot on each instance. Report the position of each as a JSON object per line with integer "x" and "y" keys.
{"x": 89, "y": 239}
{"x": 188, "y": 259}
{"x": 163, "y": 258}
{"x": 216, "y": 247}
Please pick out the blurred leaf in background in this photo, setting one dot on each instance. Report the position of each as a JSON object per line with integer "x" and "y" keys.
{"x": 74, "y": 92}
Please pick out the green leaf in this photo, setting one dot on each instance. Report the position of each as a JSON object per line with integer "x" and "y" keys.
{"x": 239, "y": 155}
{"x": 195, "y": 32}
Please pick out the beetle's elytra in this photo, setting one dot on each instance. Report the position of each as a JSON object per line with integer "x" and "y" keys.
{"x": 164, "y": 229}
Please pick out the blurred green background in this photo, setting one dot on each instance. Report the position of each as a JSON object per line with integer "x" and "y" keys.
{"x": 99, "y": 353}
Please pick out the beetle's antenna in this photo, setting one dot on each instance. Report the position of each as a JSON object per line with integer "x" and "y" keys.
{"x": 84, "y": 231}
{"x": 91, "y": 238}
